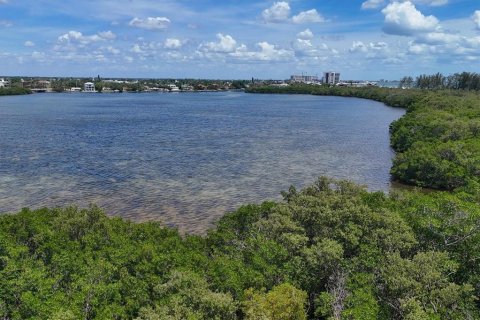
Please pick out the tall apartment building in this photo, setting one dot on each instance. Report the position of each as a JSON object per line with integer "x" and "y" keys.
{"x": 330, "y": 77}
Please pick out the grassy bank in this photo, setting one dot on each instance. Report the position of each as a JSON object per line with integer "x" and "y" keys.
{"x": 14, "y": 91}
{"x": 437, "y": 141}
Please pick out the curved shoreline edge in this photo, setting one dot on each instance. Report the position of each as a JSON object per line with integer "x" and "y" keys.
{"x": 437, "y": 141}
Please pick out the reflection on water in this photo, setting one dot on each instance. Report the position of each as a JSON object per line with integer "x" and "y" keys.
{"x": 184, "y": 159}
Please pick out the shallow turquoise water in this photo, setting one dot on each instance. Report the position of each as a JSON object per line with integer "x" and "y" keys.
{"x": 184, "y": 158}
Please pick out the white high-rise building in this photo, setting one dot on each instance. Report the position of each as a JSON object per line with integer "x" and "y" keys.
{"x": 330, "y": 77}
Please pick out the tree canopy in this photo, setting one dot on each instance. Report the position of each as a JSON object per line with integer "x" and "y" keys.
{"x": 329, "y": 251}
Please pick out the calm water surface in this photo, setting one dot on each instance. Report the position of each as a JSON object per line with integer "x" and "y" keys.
{"x": 185, "y": 158}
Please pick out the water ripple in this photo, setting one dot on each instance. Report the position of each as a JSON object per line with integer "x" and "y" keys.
{"x": 184, "y": 159}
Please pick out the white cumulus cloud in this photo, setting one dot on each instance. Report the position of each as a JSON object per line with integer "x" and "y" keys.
{"x": 402, "y": 18}
{"x": 278, "y": 12}
{"x": 70, "y": 36}
{"x": 267, "y": 52}
{"x": 378, "y": 45}
{"x": 107, "y": 35}
{"x": 358, "y": 46}
{"x": 418, "y": 48}
{"x": 301, "y": 45}
{"x": 372, "y": 4}
{"x": 372, "y": 50}
{"x": 137, "y": 48}
{"x": 436, "y": 38}
{"x": 305, "y": 48}
{"x": 77, "y": 36}
{"x": 29, "y": 44}
{"x": 38, "y": 56}
{"x": 433, "y": 3}
{"x": 305, "y": 34}
{"x": 112, "y": 50}
{"x": 473, "y": 42}
{"x": 74, "y": 40}
{"x": 476, "y": 19}
{"x": 172, "y": 43}
{"x": 150, "y": 23}
{"x": 309, "y": 16}
{"x": 224, "y": 44}
{"x": 445, "y": 45}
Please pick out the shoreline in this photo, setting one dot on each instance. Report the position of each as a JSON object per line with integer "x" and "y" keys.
{"x": 414, "y": 101}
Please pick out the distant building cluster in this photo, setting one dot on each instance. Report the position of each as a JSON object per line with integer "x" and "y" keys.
{"x": 329, "y": 77}
{"x": 120, "y": 81}
{"x": 304, "y": 79}
{"x": 97, "y": 84}
{"x": 36, "y": 85}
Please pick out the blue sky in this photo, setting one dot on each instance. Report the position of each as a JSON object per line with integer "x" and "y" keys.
{"x": 369, "y": 39}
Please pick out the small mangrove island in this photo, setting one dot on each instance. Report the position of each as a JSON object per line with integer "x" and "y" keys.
{"x": 14, "y": 91}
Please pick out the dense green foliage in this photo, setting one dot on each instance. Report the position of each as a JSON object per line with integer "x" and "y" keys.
{"x": 391, "y": 96}
{"x": 13, "y": 91}
{"x": 457, "y": 81}
{"x": 437, "y": 141}
{"x": 330, "y": 251}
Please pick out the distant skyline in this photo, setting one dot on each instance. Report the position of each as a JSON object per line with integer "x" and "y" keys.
{"x": 373, "y": 39}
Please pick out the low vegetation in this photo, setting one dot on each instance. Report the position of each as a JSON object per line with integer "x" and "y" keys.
{"x": 13, "y": 91}
{"x": 329, "y": 251}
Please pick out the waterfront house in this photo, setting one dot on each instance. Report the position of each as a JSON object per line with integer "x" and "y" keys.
{"x": 89, "y": 87}
{"x": 107, "y": 90}
{"x": 173, "y": 88}
{"x": 4, "y": 83}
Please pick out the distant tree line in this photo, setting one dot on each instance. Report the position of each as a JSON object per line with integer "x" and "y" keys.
{"x": 457, "y": 81}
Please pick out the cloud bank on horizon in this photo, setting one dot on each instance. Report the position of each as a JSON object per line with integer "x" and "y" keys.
{"x": 364, "y": 39}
